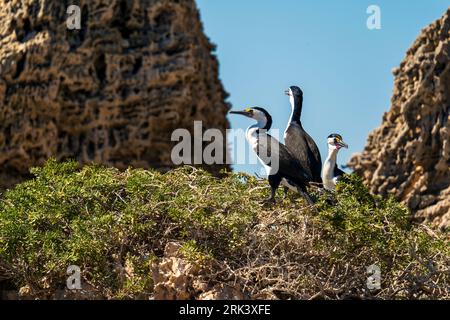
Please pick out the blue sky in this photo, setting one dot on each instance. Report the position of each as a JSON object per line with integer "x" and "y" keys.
{"x": 324, "y": 46}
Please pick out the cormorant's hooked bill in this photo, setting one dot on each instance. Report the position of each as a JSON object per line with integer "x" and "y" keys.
{"x": 251, "y": 111}
{"x": 247, "y": 112}
{"x": 336, "y": 140}
{"x": 259, "y": 114}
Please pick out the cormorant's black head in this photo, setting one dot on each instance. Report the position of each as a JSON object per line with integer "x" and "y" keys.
{"x": 335, "y": 136}
{"x": 295, "y": 92}
{"x": 335, "y": 141}
{"x": 259, "y": 114}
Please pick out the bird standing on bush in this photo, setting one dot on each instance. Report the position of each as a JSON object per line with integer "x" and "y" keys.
{"x": 330, "y": 172}
{"x": 281, "y": 166}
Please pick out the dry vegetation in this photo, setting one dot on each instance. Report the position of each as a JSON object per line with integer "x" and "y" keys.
{"x": 110, "y": 222}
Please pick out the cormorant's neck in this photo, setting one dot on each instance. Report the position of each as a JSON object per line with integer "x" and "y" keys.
{"x": 332, "y": 154}
{"x": 296, "y": 106}
{"x": 263, "y": 124}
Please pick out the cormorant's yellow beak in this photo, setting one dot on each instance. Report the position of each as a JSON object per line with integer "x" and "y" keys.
{"x": 342, "y": 144}
{"x": 247, "y": 112}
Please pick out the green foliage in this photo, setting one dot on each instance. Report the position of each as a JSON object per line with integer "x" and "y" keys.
{"x": 192, "y": 252}
{"x": 356, "y": 218}
{"x": 107, "y": 221}
{"x": 358, "y": 223}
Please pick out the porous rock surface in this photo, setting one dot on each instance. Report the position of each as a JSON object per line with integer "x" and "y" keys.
{"x": 408, "y": 156}
{"x": 177, "y": 278}
{"x": 111, "y": 92}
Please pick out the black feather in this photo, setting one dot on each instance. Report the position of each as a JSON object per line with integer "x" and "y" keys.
{"x": 300, "y": 143}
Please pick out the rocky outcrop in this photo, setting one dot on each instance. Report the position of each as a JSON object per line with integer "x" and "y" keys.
{"x": 111, "y": 92}
{"x": 409, "y": 155}
{"x": 176, "y": 278}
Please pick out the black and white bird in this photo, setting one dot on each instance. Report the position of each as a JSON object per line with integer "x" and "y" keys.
{"x": 330, "y": 172}
{"x": 298, "y": 141}
{"x": 281, "y": 166}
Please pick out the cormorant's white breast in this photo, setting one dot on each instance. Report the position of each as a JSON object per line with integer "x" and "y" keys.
{"x": 330, "y": 171}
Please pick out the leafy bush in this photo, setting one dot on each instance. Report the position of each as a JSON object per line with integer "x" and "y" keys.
{"x": 107, "y": 221}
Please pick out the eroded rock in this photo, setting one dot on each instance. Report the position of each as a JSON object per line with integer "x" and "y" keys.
{"x": 112, "y": 92}
{"x": 176, "y": 278}
{"x": 409, "y": 154}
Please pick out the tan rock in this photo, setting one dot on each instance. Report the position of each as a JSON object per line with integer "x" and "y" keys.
{"x": 172, "y": 249}
{"x": 110, "y": 93}
{"x": 222, "y": 292}
{"x": 409, "y": 154}
{"x": 173, "y": 276}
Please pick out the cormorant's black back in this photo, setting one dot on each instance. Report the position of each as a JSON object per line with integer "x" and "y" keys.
{"x": 304, "y": 149}
{"x": 288, "y": 167}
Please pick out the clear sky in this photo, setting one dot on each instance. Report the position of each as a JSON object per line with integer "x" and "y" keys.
{"x": 323, "y": 46}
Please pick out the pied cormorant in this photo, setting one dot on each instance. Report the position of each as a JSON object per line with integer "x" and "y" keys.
{"x": 330, "y": 172}
{"x": 281, "y": 166}
{"x": 298, "y": 141}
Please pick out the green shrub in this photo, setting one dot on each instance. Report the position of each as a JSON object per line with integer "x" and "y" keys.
{"x": 106, "y": 221}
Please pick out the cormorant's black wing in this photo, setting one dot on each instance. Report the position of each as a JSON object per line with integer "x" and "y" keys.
{"x": 271, "y": 150}
{"x": 304, "y": 149}
{"x": 337, "y": 172}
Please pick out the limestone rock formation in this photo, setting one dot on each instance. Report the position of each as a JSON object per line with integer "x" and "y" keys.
{"x": 409, "y": 155}
{"x": 111, "y": 92}
{"x": 176, "y": 278}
